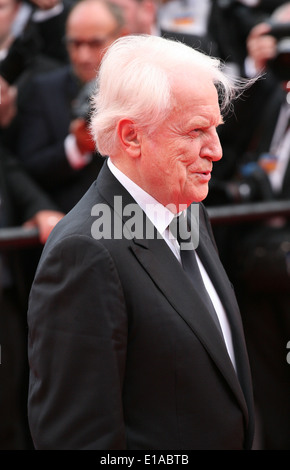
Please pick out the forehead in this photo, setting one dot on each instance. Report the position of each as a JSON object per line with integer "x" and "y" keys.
{"x": 90, "y": 18}
{"x": 195, "y": 93}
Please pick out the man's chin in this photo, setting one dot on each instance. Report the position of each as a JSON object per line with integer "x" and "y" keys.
{"x": 200, "y": 195}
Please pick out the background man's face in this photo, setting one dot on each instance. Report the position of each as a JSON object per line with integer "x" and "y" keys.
{"x": 90, "y": 30}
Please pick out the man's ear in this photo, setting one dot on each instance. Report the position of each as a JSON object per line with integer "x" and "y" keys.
{"x": 129, "y": 137}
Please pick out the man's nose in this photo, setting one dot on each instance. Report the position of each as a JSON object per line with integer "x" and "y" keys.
{"x": 212, "y": 148}
{"x": 84, "y": 52}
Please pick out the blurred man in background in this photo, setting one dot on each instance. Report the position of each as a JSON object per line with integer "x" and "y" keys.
{"x": 54, "y": 143}
{"x": 258, "y": 144}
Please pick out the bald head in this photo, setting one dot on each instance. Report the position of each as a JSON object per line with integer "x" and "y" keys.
{"x": 91, "y": 27}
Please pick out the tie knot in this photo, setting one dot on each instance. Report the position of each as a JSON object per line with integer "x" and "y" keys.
{"x": 181, "y": 232}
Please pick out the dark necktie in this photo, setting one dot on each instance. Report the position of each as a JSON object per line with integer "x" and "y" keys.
{"x": 180, "y": 230}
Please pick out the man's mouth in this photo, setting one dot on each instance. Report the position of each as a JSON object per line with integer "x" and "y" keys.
{"x": 205, "y": 175}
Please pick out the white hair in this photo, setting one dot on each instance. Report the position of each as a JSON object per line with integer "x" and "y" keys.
{"x": 134, "y": 82}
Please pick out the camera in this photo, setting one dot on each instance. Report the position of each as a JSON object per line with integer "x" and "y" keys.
{"x": 280, "y": 65}
{"x": 81, "y": 106}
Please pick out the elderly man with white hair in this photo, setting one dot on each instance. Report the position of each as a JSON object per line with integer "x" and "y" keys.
{"x": 135, "y": 337}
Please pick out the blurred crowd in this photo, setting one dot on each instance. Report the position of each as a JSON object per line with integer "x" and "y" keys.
{"x": 50, "y": 51}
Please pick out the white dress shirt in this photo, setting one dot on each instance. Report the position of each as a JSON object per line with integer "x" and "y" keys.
{"x": 161, "y": 217}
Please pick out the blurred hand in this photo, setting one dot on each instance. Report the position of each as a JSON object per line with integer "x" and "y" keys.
{"x": 45, "y": 221}
{"x": 261, "y": 46}
{"x": 83, "y": 137}
{"x": 8, "y": 105}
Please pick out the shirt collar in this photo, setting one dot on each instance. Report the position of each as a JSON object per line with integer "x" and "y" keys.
{"x": 159, "y": 215}
{"x": 3, "y": 54}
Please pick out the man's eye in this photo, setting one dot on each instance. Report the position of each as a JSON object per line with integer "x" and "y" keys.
{"x": 195, "y": 132}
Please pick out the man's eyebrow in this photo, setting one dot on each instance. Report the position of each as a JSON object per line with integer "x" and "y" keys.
{"x": 209, "y": 123}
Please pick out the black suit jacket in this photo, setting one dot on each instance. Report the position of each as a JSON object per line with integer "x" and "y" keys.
{"x": 264, "y": 132}
{"x": 43, "y": 122}
{"x": 122, "y": 351}
{"x": 253, "y": 131}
